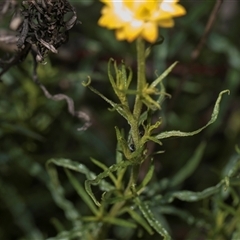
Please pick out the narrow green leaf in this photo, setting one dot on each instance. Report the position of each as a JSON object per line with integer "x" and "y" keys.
{"x": 119, "y": 222}
{"x": 81, "y": 192}
{"x": 189, "y": 167}
{"x": 228, "y": 208}
{"x": 57, "y": 192}
{"x": 154, "y": 139}
{"x": 110, "y": 74}
{"x": 153, "y": 222}
{"x": 102, "y": 175}
{"x": 232, "y": 167}
{"x": 185, "y": 134}
{"x": 104, "y": 168}
{"x": 78, "y": 167}
{"x": 162, "y": 94}
{"x": 119, "y": 158}
{"x": 141, "y": 221}
{"x": 184, "y": 215}
{"x": 190, "y": 196}
{"x": 119, "y": 155}
{"x": 162, "y": 76}
{"x": 75, "y": 233}
{"x": 147, "y": 213}
{"x": 123, "y": 77}
{"x": 122, "y": 143}
{"x": 122, "y": 110}
{"x": 129, "y": 79}
{"x": 143, "y": 117}
{"x": 147, "y": 178}
{"x": 107, "y": 199}
{"x": 150, "y": 103}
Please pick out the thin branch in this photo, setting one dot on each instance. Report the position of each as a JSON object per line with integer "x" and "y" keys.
{"x": 196, "y": 52}
{"x": 210, "y": 23}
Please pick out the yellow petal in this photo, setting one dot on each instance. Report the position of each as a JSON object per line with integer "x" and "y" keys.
{"x": 132, "y": 31}
{"x": 109, "y": 20}
{"x": 120, "y": 34}
{"x": 179, "y": 10}
{"x": 172, "y": 8}
{"x": 150, "y": 32}
{"x": 139, "y": 18}
{"x": 166, "y": 23}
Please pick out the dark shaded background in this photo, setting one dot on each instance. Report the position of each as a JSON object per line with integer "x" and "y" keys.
{"x": 34, "y": 129}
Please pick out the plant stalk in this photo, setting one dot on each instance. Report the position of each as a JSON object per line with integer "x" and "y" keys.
{"x": 141, "y": 81}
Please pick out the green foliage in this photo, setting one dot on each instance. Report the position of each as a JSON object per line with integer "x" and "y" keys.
{"x": 128, "y": 196}
{"x": 111, "y": 181}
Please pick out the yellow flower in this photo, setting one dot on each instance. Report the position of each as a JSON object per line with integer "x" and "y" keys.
{"x": 139, "y": 18}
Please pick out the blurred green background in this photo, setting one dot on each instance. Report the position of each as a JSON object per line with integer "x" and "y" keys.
{"x": 34, "y": 129}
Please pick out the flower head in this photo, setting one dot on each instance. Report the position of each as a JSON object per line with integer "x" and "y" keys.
{"x": 139, "y": 18}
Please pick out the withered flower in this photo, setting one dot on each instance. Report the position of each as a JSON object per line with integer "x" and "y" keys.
{"x": 44, "y": 27}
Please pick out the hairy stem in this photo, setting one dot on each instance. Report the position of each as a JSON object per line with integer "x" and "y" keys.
{"x": 141, "y": 81}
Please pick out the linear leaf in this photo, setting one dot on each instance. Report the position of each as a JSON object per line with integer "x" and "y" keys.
{"x": 185, "y": 216}
{"x": 119, "y": 222}
{"x": 75, "y": 233}
{"x": 186, "y": 134}
{"x": 102, "y": 175}
{"x": 104, "y": 168}
{"x": 122, "y": 110}
{"x": 106, "y": 199}
{"x": 81, "y": 168}
{"x": 141, "y": 221}
{"x": 163, "y": 75}
{"x": 153, "y": 222}
{"x": 147, "y": 178}
{"x": 190, "y": 196}
{"x": 57, "y": 191}
{"x": 110, "y": 76}
{"x": 189, "y": 167}
{"x": 81, "y": 192}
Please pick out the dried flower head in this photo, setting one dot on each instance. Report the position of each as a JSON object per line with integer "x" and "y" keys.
{"x": 44, "y": 26}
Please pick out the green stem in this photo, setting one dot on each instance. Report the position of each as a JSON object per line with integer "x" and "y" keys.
{"x": 134, "y": 122}
{"x": 141, "y": 81}
{"x": 133, "y": 177}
